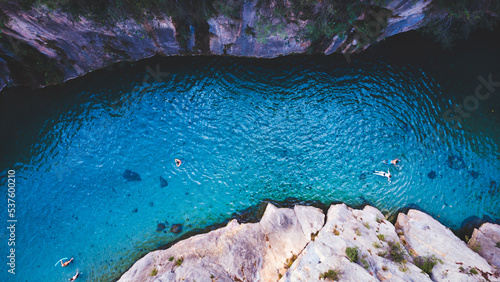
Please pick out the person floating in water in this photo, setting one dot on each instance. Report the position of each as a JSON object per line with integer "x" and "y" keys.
{"x": 178, "y": 162}
{"x": 392, "y": 162}
{"x": 74, "y": 277}
{"x": 384, "y": 174}
{"x": 66, "y": 263}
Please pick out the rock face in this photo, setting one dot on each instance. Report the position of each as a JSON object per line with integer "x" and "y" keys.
{"x": 427, "y": 237}
{"x": 247, "y": 252}
{"x": 486, "y": 241}
{"x": 42, "y": 46}
{"x": 297, "y": 245}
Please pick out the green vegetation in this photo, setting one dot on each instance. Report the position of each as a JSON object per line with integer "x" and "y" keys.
{"x": 331, "y": 274}
{"x": 426, "y": 263}
{"x": 179, "y": 261}
{"x": 357, "y": 232}
{"x": 327, "y": 18}
{"x": 473, "y": 271}
{"x": 379, "y": 220}
{"x": 290, "y": 261}
{"x": 352, "y": 253}
{"x": 154, "y": 272}
{"x": 138, "y": 9}
{"x": 376, "y": 245}
{"x": 446, "y": 20}
{"x": 171, "y": 258}
{"x": 396, "y": 252}
{"x": 476, "y": 248}
{"x": 497, "y": 245}
{"x": 365, "y": 263}
{"x": 367, "y": 225}
{"x": 385, "y": 268}
{"x": 382, "y": 254}
{"x": 449, "y": 20}
{"x": 381, "y": 237}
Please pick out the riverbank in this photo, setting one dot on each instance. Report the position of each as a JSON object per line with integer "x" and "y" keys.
{"x": 305, "y": 244}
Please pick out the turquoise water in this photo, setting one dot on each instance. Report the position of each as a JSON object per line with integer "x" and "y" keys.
{"x": 246, "y": 130}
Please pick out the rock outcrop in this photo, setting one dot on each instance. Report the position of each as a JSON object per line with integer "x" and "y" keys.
{"x": 41, "y": 46}
{"x": 486, "y": 241}
{"x": 353, "y": 245}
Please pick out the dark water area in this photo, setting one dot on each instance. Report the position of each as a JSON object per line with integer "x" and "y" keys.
{"x": 89, "y": 155}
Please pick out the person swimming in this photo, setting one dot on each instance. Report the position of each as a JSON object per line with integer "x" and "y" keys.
{"x": 384, "y": 174}
{"x": 74, "y": 277}
{"x": 392, "y": 162}
{"x": 66, "y": 263}
{"x": 178, "y": 162}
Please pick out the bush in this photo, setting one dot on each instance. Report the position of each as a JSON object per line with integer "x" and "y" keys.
{"x": 426, "y": 263}
{"x": 381, "y": 237}
{"x": 331, "y": 274}
{"x": 154, "y": 272}
{"x": 352, "y": 253}
{"x": 473, "y": 271}
{"x": 179, "y": 261}
{"x": 396, "y": 252}
{"x": 449, "y": 20}
{"x": 476, "y": 248}
{"x": 171, "y": 258}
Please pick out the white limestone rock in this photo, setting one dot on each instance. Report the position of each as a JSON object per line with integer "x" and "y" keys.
{"x": 486, "y": 241}
{"x": 425, "y": 236}
{"x": 346, "y": 227}
{"x": 237, "y": 252}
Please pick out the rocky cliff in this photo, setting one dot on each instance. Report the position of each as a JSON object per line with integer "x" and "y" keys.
{"x": 351, "y": 245}
{"x": 41, "y": 46}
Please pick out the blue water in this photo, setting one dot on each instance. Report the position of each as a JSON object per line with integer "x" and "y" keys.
{"x": 246, "y": 130}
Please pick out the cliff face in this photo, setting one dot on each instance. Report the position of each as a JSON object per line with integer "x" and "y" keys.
{"x": 40, "y": 46}
{"x": 352, "y": 245}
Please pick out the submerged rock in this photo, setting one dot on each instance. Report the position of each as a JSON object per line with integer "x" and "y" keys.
{"x": 176, "y": 228}
{"x": 163, "y": 182}
{"x": 297, "y": 245}
{"x": 362, "y": 176}
{"x": 131, "y": 175}
{"x": 431, "y": 174}
{"x": 493, "y": 188}
{"x": 456, "y": 162}
{"x": 160, "y": 227}
{"x": 474, "y": 174}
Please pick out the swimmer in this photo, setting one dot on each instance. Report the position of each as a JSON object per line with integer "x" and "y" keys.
{"x": 178, "y": 162}
{"x": 392, "y": 162}
{"x": 66, "y": 263}
{"x": 384, "y": 174}
{"x": 74, "y": 277}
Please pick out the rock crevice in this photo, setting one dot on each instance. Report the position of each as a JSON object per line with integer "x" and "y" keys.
{"x": 351, "y": 245}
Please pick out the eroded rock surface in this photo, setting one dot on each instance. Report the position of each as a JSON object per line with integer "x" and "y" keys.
{"x": 486, "y": 241}
{"x": 425, "y": 236}
{"x": 66, "y": 46}
{"x": 297, "y": 245}
{"x": 237, "y": 252}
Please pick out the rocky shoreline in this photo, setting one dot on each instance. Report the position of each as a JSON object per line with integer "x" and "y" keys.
{"x": 42, "y": 46}
{"x": 304, "y": 244}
